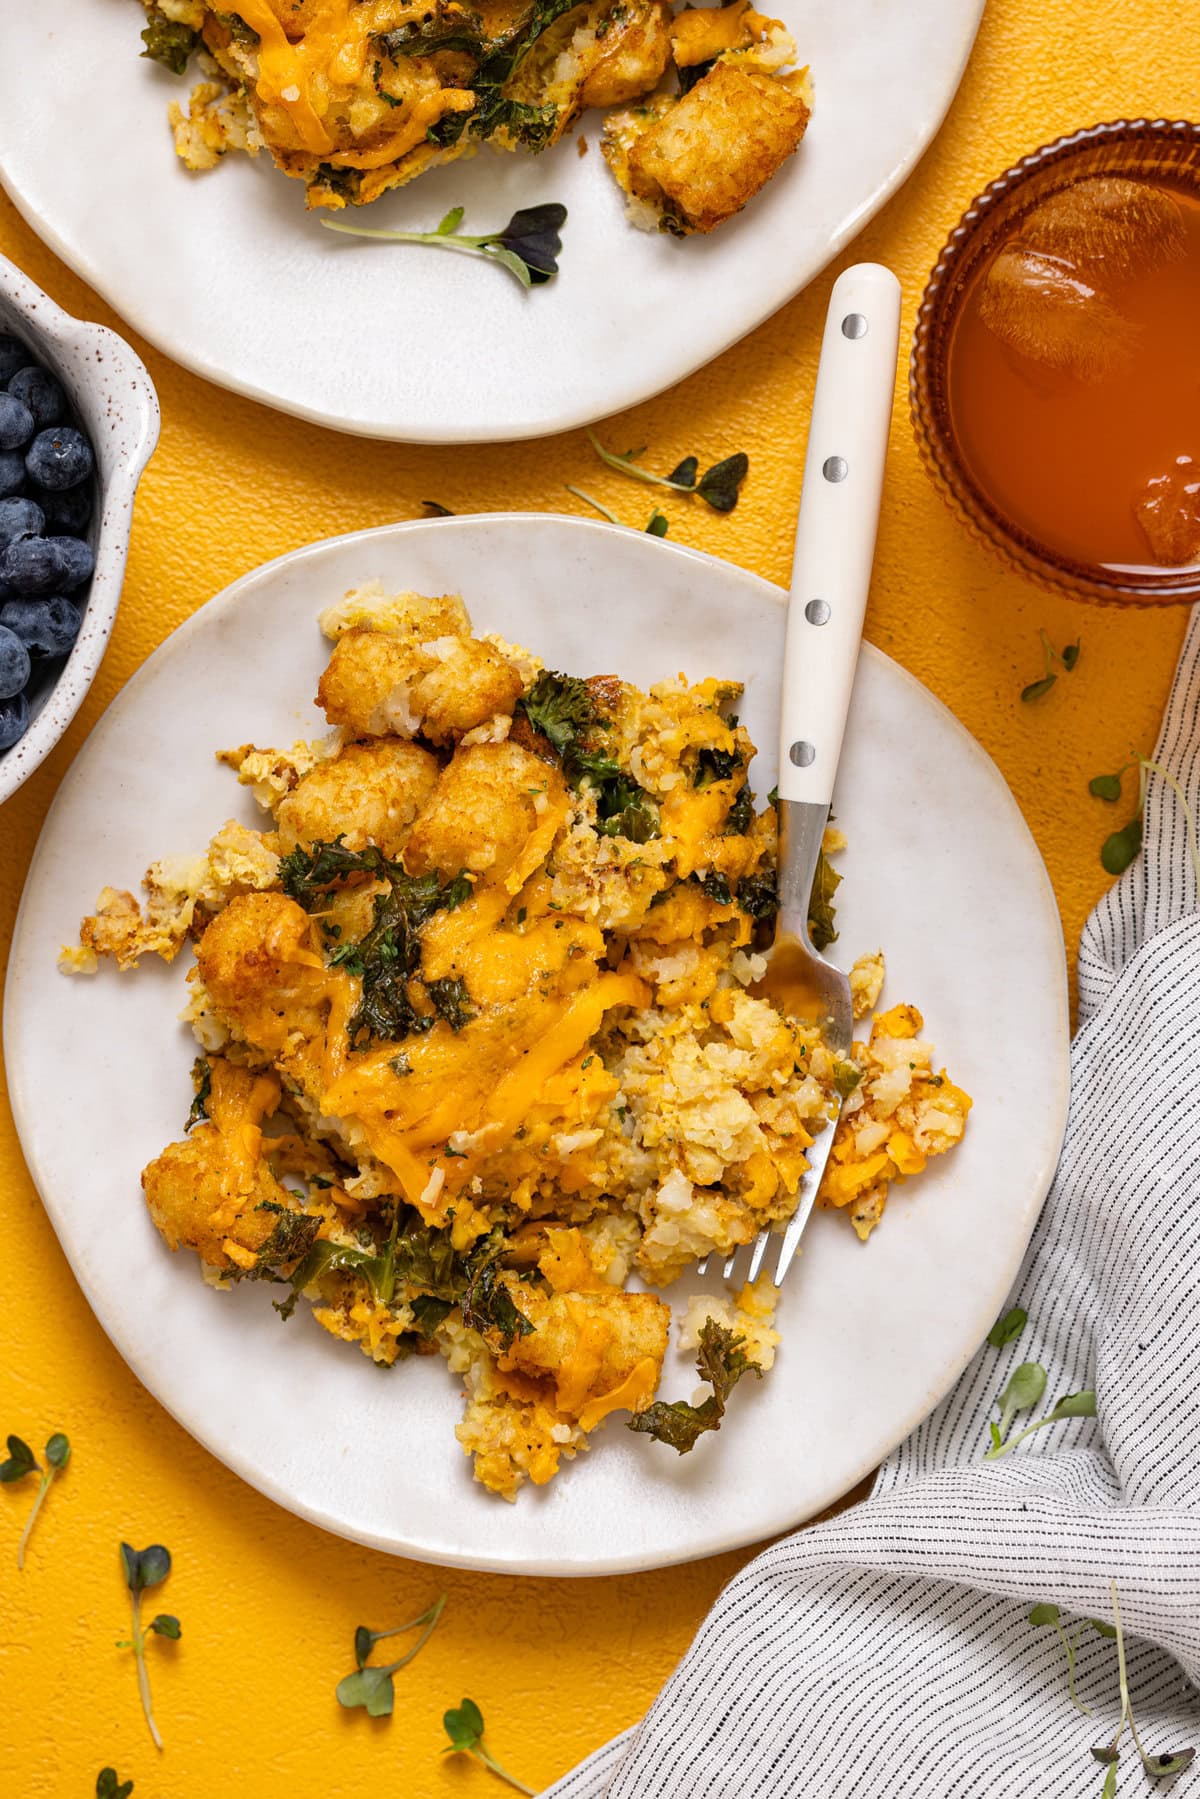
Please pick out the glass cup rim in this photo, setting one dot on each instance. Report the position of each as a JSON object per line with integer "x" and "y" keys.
{"x": 1019, "y": 550}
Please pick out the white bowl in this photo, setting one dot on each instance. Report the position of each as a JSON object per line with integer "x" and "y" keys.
{"x": 116, "y": 404}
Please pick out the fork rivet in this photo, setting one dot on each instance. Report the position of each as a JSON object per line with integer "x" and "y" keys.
{"x": 817, "y": 612}
{"x": 803, "y": 755}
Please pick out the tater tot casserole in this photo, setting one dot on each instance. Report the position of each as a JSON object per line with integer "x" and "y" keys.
{"x": 356, "y": 97}
{"x": 479, "y": 1041}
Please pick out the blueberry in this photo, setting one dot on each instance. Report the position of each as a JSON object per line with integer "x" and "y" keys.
{"x": 76, "y": 560}
{"x": 14, "y": 664}
{"x": 69, "y": 510}
{"x": 40, "y": 392}
{"x": 34, "y": 566}
{"x": 45, "y": 627}
{"x": 14, "y": 720}
{"x": 16, "y": 423}
{"x": 20, "y": 518}
{"x": 13, "y": 356}
{"x": 59, "y": 457}
{"x": 12, "y": 472}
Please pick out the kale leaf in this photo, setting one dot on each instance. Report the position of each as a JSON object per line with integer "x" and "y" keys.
{"x": 826, "y": 882}
{"x": 562, "y": 709}
{"x": 494, "y": 111}
{"x": 716, "y": 765}
{"x": 388, "y": 957}
{"x": 487, "y": 1303}
{"x": 740, "y": 816}
{"x": 721, "y": 1361}
{"x": 202, "y": 1082}
{"x": 169, "y": 43}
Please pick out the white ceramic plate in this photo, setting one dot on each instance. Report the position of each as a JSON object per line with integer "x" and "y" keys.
{"x": 941, "y": 870}
{"x": 227, "y": 274}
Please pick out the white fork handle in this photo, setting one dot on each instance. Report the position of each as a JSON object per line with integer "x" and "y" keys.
{"x": 835, "y": 536}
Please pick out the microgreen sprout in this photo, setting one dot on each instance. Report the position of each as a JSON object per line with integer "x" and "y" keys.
{"x": 1050, "y": 1615}
{"x": 1068, "y": 656}
{"x": 21, "y": 1461}
{"x": 1158, "y": 1767}
{"x": 1008, "y": 1327}
{"x": 145, "y": 1568}
{"x": 1119, "y": 849}
{"x": 1071, "y": 1405}
{"x": 109, "y": 1787}
{"x": 371, "y": 1688}
{"x": 1024, "y": 1388}
{"x": 464, "y": 1727}
{"x": 528, "y": 246}
{"x": 658, "y": 525}
{"x": 718, "y": 486}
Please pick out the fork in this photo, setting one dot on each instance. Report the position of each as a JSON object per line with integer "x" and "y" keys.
{"x": 831, "y": 572}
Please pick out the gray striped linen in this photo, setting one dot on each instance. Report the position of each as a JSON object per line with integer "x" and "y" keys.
{"x": 888, "y": 1651}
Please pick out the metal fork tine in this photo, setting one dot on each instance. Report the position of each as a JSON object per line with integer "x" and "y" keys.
{"x": 730, "y": 1262}
{"x": 758, "y": 1255}
{"x": 702, "y": 1267}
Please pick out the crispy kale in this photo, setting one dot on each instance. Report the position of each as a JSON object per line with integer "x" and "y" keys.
{"x": 741, "y": 814}
{"x": 202, "y": 1082}
{"x": 168, "y": 43}
{"x": 562, "y": 709}
{"x": 758, "y": 896}
{"x": 721, "y": 1361}
{"x": 434, "y": 31}
{"x": 532, "y": 126}
{"x": 715, "y": 885}
{"x": 487, "y": 1303}
{"x": 716, "y": 765}
{"x": 292, "y": 1237}
{"x": 826, "y": 882}
{"x": 388, "y": 957}
{"x": 417, "y": 1255}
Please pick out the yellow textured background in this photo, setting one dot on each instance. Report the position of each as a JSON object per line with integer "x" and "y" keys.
{"x": 269, "y": 1604}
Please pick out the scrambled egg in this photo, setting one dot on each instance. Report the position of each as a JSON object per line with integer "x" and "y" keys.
{"x": 354, "y": 97}
{"x": 479, "y": 1041}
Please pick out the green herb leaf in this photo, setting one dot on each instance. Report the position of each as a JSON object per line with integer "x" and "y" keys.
{"x": 145, "y": 1567}
{"x": 19, "y": 1462}
{"x": 721, "y": 1361}
{"x": 1173, "y": 1762}
{"x": 1101, "y": 1629}
{"x": 1036, "y": 689}
{"x": 719, "y": 485}
{"x": 164, "y": 1624}
{"x": 1109, "y": 1789}
{"x": 1044, "y": 1614}
{"x": 528, "y": 246}
{"x": 1008, "y": 1328}
{"x": 659, "y": 524}
{"x": 1025, "y": 1387}
{"x": 464, "y": 1725}
{"x": 1070, "y": 656}
{"x": 1071, "y": 1405}
{"x": 1105, "y": 787}
{"x": 1119, "y": 850}
{"x": 58, "y": 1450}
{"x": 435, "y": 509}
{"x": 370, "y": 1688}
{"x": 108, "y": 1787}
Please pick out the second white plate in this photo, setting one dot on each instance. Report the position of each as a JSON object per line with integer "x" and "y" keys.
{"x": 226, "y": 273}
{"x": 941, "y": 870}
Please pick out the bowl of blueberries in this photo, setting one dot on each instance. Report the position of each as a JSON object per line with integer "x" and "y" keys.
{"x": 78, "y": 422}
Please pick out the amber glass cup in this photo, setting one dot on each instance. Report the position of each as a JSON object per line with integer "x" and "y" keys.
{"x": 1149, "y": 150}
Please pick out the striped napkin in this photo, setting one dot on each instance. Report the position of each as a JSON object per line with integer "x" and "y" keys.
{"x": 889, "y": 1651}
